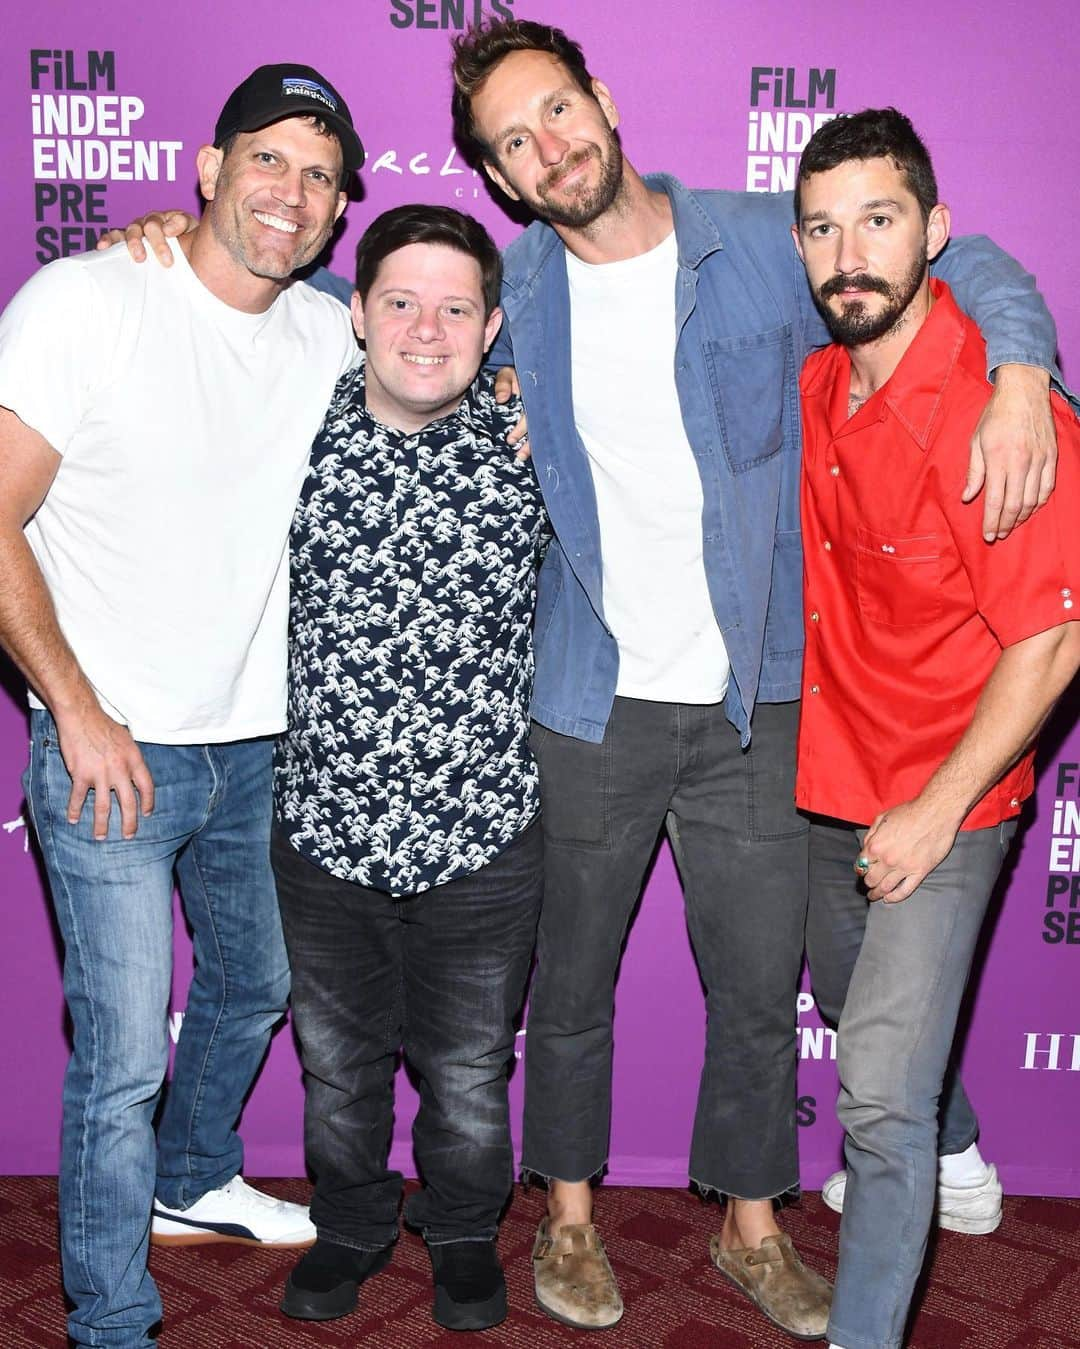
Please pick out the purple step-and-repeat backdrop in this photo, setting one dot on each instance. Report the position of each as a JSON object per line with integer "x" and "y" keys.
{"x": 105, "y": 108}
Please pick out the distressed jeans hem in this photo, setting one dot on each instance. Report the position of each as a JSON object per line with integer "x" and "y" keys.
{"x": 790, "y": 1194}
{"x": 530, "y": 1176}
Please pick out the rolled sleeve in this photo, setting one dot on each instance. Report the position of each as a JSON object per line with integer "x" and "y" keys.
{"x": 1030, "y": 581}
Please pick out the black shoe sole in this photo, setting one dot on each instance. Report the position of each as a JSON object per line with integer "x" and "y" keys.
{"x": 453, "y": 1315}
{"x": 302, "y": 1304}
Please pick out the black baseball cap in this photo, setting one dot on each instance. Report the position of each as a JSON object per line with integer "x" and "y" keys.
{"x": 275, "y": 92}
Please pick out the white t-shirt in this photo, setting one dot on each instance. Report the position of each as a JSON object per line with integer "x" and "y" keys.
{"x": 185, "y": 427}
{"x": 648, "y": 489}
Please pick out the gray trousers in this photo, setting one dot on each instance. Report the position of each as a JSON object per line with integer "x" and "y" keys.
{"x": 893, "y": 1050}
{"x": 835, "y": 927}
{"x": 740, "y": 846}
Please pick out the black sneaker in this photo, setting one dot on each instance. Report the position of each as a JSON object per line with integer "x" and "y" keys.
{"x": 470, "y": 1291}
{"x": 324, "y": 1283}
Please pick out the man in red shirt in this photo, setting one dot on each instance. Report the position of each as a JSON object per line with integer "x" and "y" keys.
{"x": 932, "y": 660}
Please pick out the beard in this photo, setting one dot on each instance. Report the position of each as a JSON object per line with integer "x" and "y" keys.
{"x": 855, "y": 325}
{"x": 586, "y": 204}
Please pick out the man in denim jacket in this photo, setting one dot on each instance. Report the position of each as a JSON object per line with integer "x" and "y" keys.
{"x": 658, "y": 335}
{"x": 617, "y": 766}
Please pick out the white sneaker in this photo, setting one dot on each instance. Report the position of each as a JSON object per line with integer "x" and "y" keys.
{"x": 236, "y": 1212}
{"x": 975, "y": 1209}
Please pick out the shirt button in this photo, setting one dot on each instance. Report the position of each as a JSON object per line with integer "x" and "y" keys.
{"x": 828, "y": 546}
{"x": 1067, "y": 604}
{"x": 835, "y": 470}
{"x": 814, "y": 688}
{"x": 1066, "y": 592}
{"x": 1014, "y": 803}
{"x": 814, "y": 616}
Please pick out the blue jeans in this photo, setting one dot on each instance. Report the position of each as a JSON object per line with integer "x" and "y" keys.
{"x": 893, "y": 1049}
{"x": 113, "y": 901}
{"x": 440, "y": 975}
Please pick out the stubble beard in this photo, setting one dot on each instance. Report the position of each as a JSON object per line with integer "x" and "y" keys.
{"x": 233, "y": 228}
{"x": 587, "y": 205}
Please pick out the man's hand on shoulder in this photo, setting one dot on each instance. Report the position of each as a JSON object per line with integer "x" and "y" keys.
{"x": 903, "y": 845}
{"x": 100, "y": 754}
{"x": 156, "y": 228}
{"x": 507, "y": 387}
{"x": 1013, "y": 450}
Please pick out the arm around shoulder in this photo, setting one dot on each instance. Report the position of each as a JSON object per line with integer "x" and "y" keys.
{"x": 1014, "y": 449}
{"x": 1001, "y": 296}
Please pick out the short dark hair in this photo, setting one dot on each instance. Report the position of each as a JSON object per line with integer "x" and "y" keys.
{"x": 479, "y": 50}
{"x": 875, "y": 133}
{"x": 421, "y": 224}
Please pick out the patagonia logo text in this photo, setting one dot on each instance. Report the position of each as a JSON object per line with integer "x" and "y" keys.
{"x": 309, "y": 89}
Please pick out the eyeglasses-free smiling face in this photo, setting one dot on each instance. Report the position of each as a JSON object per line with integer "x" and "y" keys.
{"x": 552, "y": 145}
{"x": 274, "y": 196}
{"x": 425, "y": 332}
{"x": 865, "y": 245}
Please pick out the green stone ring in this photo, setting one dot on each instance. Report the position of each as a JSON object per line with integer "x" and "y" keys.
{"x": 862, "y": 865}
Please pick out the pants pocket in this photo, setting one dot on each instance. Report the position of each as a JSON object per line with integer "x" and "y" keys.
{"x": 575, "y": 788}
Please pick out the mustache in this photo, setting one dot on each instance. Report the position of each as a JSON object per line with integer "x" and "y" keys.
{"x": 837, "y": 284}
{"x": 569, "y": 164}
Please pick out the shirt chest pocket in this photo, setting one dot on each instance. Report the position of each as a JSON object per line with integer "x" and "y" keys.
{"x": 750, "y": 378}
{"x": 898, "y": 577}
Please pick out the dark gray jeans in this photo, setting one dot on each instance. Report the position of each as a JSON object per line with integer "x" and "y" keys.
{"x": 893, "y": 1047}
{"x": 440, "y": 975}
{"x": 741, "y": 851}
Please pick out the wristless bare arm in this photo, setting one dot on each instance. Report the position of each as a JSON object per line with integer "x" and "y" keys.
{"x": 98, "y": 752}
{"x": 907, "y": 841}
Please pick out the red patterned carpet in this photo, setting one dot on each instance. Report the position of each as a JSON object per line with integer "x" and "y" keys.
{"x": 1017, "y": 1289}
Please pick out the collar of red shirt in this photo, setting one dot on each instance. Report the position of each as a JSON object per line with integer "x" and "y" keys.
{"x": 914, "y": 391}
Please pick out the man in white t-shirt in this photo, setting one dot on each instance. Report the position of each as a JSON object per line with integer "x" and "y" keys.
{"x": 658, "y": 332}
{"x": 154, "y": 429}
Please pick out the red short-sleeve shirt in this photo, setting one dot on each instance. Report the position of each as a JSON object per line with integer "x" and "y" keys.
{"x": 907, "y": 608}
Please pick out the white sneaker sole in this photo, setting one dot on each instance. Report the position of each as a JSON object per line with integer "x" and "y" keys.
{"x": 972, "y": 1227}
{"x": 175, "y": 1235}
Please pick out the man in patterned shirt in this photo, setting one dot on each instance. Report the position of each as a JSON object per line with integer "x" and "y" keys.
{"x": 407, "y": 847}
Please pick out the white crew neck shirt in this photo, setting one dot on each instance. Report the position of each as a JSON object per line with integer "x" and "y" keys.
{"x": 648, "y": 489}
{"x": 184, "y": 427}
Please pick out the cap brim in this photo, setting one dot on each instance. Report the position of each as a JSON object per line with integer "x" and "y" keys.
{"x": 352, "y": 149}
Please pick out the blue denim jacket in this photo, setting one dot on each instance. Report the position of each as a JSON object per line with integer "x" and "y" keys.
{"x": 745, "y": 323}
